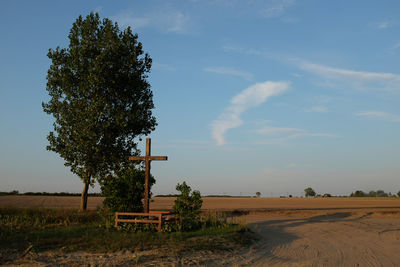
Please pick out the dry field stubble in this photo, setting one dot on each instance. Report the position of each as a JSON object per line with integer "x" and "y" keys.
{"x": 211, "y": 203}
{"x": 292, "y": 232}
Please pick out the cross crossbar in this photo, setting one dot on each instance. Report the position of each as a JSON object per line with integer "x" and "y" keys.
{"x": 143, "y": 158}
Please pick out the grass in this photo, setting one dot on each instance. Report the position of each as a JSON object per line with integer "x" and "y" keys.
{"x": 92, "y": 231}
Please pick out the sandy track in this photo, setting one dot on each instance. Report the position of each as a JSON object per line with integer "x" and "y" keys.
{"x": 337, "y": 238}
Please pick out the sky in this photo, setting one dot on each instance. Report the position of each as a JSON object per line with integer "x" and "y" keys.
{"x": 250, "y": 96}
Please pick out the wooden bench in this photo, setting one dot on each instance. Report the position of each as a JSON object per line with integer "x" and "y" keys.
{"x": 157, "y": 217}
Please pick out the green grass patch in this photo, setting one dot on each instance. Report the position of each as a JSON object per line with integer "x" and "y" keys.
{"x": 92, "y": 231}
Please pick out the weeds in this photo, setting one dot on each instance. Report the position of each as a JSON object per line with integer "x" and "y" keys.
{"x": 69, "y": 230}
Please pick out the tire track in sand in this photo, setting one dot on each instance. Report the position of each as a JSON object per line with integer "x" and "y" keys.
{"x": 332, "y": 239}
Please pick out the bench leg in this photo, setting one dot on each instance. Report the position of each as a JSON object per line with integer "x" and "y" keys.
{"x": 159, "y": 222}
{"x": 116, "y": 220}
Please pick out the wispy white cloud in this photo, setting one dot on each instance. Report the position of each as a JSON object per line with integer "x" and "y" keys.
{"x": 290, "y": 20}
{"x": 318, "y": 109}
{"x": 381, "y": 81}
{"x": 250, "y": 97}
{"x": 177, "y": 22}
{"x": 275, "y": 8}
{"x": 278, "y": 130}
{"x": 379, "y": 115}
{"x": 290, "y": 132}
{"x": 297, "y": 75}
{"x": 291, "y": 165}
{"x": 169, "y": 21}
{"x": 98, "y": 9}
{"x": 246, "y": 51}
{"x": 230, "y": 71}
{"x": 125, "y": 19}
{"x": 396, "y": 46}
{"x": 305, "y": 134}
{"x": 263, "y": 8}
{"x": 383, "y": 24}
{"x": 330, "y": 76}
{"x": 163, "y": 66}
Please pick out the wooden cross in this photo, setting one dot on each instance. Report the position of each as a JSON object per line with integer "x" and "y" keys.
{"x": 147, "y": 160}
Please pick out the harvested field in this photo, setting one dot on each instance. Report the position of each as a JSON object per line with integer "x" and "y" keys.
{"x": 211, "y": 203}
{"x": 291, "y": 232}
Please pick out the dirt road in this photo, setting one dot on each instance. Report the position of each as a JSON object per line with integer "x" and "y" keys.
{"x": 334, "y": 238}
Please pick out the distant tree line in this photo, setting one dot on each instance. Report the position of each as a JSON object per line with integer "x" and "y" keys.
{"x": 378, "y": 193}
{"x": 233, "y": 196}
{"x": 16, "y": 192}
{"x": 358, "y": 193}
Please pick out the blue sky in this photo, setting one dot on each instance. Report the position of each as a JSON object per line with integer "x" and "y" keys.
{"x": 271, "y": 96}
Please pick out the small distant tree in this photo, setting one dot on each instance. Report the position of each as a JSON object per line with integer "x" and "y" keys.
{"x": 372, "y": 193}
{"x": 381, "y": 193}
{"x": 258, "y": 194}
{"x": 187, "y": 206}
{"x": 398, "y": 194}
{"x": 125, "y": 190}
{"x": 358, "y": 193}
{"x": 309, "y": 192}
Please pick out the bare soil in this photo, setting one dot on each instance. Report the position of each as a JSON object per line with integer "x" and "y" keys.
{"x": 290, "y": 232}
{"x": 210, "y": 203}
{"x": 362, "y": 237}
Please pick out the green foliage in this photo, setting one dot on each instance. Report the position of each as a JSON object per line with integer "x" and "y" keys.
{"x": 12, "y": 219}
{"x": 358, "y": 193}
{"x": 381, "y": 193}
{"x": 398, "y": 194}
{"x": 258, "y": 194}
{"x": 11, "y": 193}
{"x": 125, "y": 191}
{"x": 99, "y": 97}
{"x": 187, "y": 206}
{"x": 378, "y": 193}
{"x": 309, "y": 192}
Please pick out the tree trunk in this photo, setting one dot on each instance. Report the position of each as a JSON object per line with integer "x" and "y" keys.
{"x": 84, "y": 195}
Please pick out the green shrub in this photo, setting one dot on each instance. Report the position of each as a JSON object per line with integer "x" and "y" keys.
{"x": 125, "y": 191}
{"x": 187, "y": 206}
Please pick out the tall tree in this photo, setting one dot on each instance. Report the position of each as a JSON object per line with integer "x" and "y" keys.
{"x": 100, "y": 98}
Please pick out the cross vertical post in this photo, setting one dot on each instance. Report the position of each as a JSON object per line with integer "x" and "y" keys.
{"x": 147, "y": 159}
{"x": 147, "y": 176}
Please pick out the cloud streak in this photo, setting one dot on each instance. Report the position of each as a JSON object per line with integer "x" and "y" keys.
{"x": 330, "y": 76}
{"x": 290, "y": 132}
{"x": 381, "y": 81}
{"x": 230, "y": 71}
{"x": 250, "y": 97}
{"x": 168, "y": 22}
{"x": 276, "y": 8}
{"x": 379, "y": 115}
{"x": 383, "y": 24}
{"x": 163, "y": 66}
{"x": 317, "y": 109}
